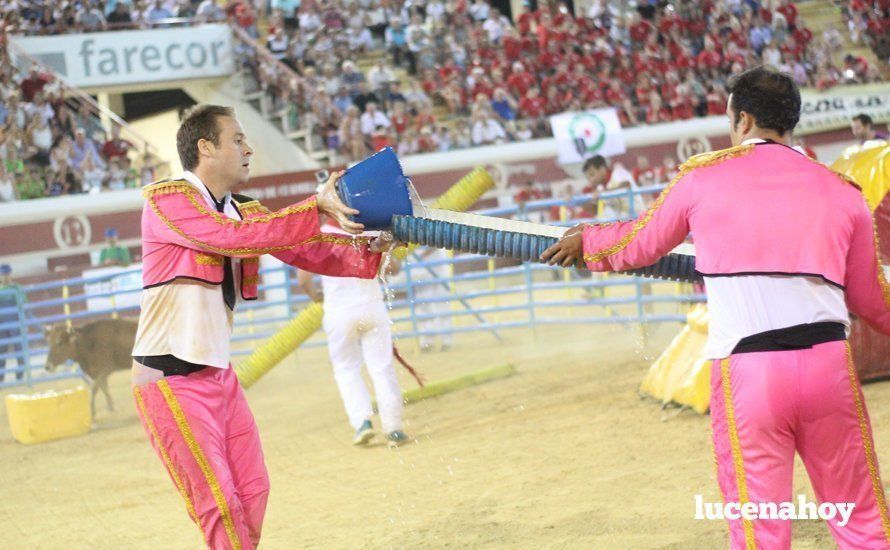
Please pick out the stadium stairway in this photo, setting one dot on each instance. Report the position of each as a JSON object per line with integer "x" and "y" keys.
{"x": 147, "y": 151}
{"x": 822, "y": 15}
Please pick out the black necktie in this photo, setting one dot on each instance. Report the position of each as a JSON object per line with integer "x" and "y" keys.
{"x": 228, "y": 284}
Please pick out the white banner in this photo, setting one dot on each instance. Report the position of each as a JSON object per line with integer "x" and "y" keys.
{"x": 134, "y": 57}
{"x": 833, "y": 109}
{"x": 130, "y": 278}
{"x": 584, "y": 134}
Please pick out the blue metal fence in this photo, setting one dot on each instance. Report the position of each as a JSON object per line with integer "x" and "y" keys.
{"x": 484, "y": 295}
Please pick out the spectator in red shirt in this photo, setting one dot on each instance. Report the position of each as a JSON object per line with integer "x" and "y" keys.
{"x": 788, "y": 9}
{"x": 532, "y": 105}
{"x": 683, "y": 106}
{"x": 614, "y": 94}
{"x": 656, "y": 111}
{"x": 527, "y": 193}
{"x": 116, "y": 147}
{"x": 716, "y": 100}
{"x": 35, "y": 82}
{"x": 380, "y": 138}
{"x": 639, "y": 29}
{"x": 666, "y": 171}
{"x": 556, "y": 102}
{"x": 710, "y": 57}
{"x": 399, "y": 118}
{"x": 644, "y": 174}
{"x": 425, "y": 117}
{"x": 520, "y": 81}
{"x": 627, "y": 115}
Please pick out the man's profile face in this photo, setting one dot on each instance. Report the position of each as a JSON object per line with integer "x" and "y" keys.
{"x": 595, "y": 176}
{"x": 859, "y": 130}
{"x": 230, "y": 158}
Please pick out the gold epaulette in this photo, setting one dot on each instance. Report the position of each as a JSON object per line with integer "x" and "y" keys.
{"x": 165, "y": 186}
{"x": 715, "y": 157}
{"x": 253, "y": 206}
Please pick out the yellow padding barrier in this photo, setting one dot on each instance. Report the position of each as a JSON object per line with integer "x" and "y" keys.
{"x": 459, "y": 197}
{"x": 458, "y": 383}
{"x": 45, "y": 416}
{"x": 682, "y": 373}
{"x": 276, "y": 348}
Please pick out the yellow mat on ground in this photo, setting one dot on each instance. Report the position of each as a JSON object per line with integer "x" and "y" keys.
{"x": 682, "y": 373}
{"x": 49, "y": 415}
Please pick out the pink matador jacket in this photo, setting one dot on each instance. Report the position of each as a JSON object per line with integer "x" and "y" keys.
{"x": 757, "y": 209}
{"x": 184, "y": 238}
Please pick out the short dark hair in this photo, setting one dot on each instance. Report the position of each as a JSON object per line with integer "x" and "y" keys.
{"x": 596, "y": 161}
{"x": 864, "y": 119}
{"x": 198, "y": 123}
{"x": 771, "y": 97}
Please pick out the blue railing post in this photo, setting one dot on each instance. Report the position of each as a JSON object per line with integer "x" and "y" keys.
{"x": 24, "y": 359}
{"x": 530, "y": 294}
{"x": 409, "y": 289}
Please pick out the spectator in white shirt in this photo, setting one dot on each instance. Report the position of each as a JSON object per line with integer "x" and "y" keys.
{"x": 496, "y": 26}
{"x": 40, "y": 137}
{"x": 479, "y": 10}
{"x": 277, "y": 44}
{"x": 158, "y": 12}
{"x": 372, "y": 118}
{"x": 39, "y": 106}
{"x": 310, "y": 21}
{"x": 209, "y": 10}
{"x": 487, "y": 130}
{"x": 8, "y": 191}
{"x": 360, "y": 38}
{"x": 379, "y": 76}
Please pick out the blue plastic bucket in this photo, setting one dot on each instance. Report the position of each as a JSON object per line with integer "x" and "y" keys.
{"x": 378, "y": 189}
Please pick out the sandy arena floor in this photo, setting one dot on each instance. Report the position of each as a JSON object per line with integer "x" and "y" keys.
{"x": 562, "y": 455}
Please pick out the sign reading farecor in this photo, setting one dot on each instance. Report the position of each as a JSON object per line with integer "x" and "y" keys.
{"x": 131, "y": 57}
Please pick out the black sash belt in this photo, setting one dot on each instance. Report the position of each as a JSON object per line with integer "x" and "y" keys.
{"x": 791, "y": 338}
{"x": 169, "y": 364}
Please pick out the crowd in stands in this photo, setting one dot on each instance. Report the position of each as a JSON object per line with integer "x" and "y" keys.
{"x": 54, "y": 17}
{"x": 439, "y": 75}
{"x": 458, "y": 74}
{"x": 54, "y": 145}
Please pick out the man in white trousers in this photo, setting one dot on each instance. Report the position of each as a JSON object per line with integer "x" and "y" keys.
{"x": 358, "y": 329}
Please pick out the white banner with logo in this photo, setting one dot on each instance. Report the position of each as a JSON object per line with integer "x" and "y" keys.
{"x": 119, "y": 287}
{"x": 833, "y": 108}
{"x": 584, "y": 134}
{"x": 135, "y": 57}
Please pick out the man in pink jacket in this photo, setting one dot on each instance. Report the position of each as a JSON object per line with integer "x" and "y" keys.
{"x": 787, "y": 248}
{"x": 201, "y": 246}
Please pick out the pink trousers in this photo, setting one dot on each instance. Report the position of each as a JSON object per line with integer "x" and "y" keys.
{"x": 203, "y": 431}
{"x": 767, "y": 405}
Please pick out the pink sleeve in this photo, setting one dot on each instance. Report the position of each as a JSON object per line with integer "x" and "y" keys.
{"x": 867, "y": 292}
{"x": 641, "y": 242}
{"x": 182, "y": 217}
{"x": 334, "y": 255}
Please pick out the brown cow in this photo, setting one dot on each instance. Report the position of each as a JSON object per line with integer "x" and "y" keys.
{"x": 100, "y": 348}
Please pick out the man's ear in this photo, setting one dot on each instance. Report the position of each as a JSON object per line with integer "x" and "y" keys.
{"x": 747, "y": 122}
{"x": 206, "y": 147}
